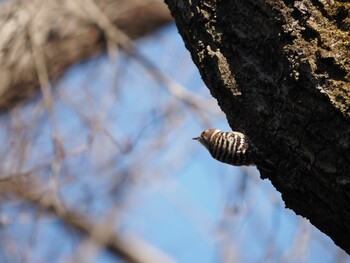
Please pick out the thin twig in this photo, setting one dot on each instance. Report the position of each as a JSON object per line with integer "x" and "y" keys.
{"x": 114, "y": 34}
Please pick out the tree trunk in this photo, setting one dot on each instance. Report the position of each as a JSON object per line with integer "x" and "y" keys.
{"x": 280, "y": 70}
{"x": 56, "y": 34}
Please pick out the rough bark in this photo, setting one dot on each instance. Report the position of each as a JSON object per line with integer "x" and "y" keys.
{"x": 280, "y": 70}
{"x": 64, "y": 32}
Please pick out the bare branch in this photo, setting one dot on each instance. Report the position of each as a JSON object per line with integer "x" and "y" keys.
{"x": 127, "y": 246}
{"x": 66, "y": 33}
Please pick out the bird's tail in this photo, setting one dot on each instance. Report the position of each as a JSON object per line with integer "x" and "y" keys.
{"x": 266, "y": 165}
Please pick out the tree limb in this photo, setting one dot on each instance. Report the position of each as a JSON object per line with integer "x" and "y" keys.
{"x": 67, "y": 32}
{"x": 128, "y": 247}
{"x": 280, "y": 70}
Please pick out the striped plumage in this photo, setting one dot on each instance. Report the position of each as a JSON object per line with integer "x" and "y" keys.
{"x": 229, "y": 147}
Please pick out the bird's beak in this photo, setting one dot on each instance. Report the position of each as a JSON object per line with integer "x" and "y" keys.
{"x": 196, "y": 138}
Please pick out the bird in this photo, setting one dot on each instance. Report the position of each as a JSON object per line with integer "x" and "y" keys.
{"x": 233, "y": 148}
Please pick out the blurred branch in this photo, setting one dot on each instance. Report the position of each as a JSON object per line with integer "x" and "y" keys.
{"x": 66, "y": 33}
{"x": 46, "y": 89}
{"x": 125, "y": 42}
{"x": 178, "y": 91}
{"x": 129, "y": 247}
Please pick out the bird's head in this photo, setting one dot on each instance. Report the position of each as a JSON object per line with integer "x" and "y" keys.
{"x": 206, "y": 136}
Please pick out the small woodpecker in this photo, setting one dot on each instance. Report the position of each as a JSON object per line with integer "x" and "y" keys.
{"x": 233, "y": 148}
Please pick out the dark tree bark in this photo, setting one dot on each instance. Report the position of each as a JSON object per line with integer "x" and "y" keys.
{"x": 280, "y": 70}
{"x": 57, "y": 34}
